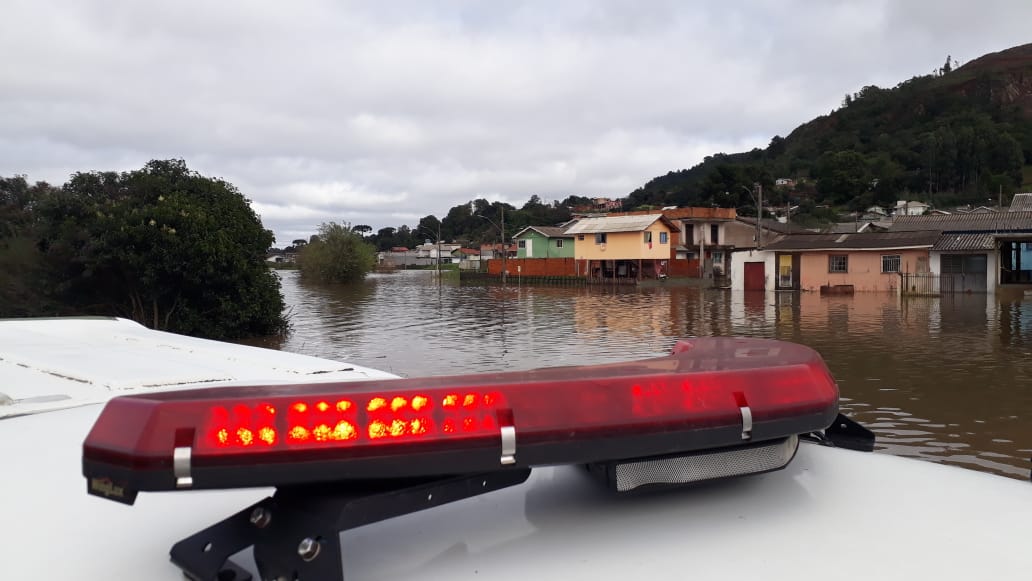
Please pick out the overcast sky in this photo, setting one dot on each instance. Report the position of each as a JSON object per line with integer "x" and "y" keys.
{"x": 382, "y": 112}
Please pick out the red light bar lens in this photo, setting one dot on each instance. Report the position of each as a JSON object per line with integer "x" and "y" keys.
{"x": 372, "y": 419}
{"x": 559, "y": 414}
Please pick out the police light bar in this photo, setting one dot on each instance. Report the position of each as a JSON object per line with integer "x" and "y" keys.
{"x": 709, "y": 393}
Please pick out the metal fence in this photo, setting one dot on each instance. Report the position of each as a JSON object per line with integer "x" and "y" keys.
{"x": 928, "y": 283}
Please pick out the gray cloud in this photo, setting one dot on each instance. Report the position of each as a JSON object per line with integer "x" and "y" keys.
{"x": 382, "y": 114}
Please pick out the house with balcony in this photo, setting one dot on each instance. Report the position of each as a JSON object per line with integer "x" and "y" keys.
{"x": 711, "y": 241}
{"x": 544, "y": 242}
{"x": 624, "y": 248}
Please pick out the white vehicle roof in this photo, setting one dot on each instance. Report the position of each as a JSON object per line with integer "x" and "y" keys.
{"x": 830, "y": 513}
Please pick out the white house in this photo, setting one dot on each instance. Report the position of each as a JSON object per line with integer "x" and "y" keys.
{"x": 905, "y": 208}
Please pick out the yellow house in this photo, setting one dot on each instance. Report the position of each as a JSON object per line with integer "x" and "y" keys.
{"x": 622, "y": 247}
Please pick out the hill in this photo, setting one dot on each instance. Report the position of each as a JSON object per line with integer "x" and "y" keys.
{"x": 958, "y": 136}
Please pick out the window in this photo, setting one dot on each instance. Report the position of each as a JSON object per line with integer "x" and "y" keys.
{"x": 838, "y": 263}
{"x": 600, "y": 238}
{"x": 522, "y": 244}
{"x": 663, "y": 237}
{"x": 580, "y": 237}
{"x": 714, "y": 234}
{"x": 890, "y": 263}
{"x": 648, "y": 237}
{"x": 558, "y": 242}
{"x": 689, "y": 233}
{"x": 718, "y": 257}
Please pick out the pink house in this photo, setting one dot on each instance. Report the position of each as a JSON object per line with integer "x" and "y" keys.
{"x": 857, "y": 262}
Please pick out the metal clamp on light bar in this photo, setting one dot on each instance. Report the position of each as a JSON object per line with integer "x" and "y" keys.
{"x": 709, "y": 393}
{"x": 296, "y": 532}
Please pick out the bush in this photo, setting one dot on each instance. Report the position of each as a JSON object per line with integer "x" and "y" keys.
{"x": 337, "y": 254}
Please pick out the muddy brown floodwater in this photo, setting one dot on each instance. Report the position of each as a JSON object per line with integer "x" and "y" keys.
{"x": 947, "y": 380}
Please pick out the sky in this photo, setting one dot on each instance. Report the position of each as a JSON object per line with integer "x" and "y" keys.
{"x": 380, "y": 113}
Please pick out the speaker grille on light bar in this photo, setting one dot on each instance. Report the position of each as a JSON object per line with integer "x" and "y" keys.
{"x": 707, "y": 466}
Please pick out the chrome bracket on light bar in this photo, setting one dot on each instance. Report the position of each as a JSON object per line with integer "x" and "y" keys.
{"x": 746, "y": 422}
{"x": 181, "y": 466}
{"x": 508, "y": 445}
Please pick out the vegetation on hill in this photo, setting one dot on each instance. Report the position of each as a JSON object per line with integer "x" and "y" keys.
{"x": 959, "y": 136}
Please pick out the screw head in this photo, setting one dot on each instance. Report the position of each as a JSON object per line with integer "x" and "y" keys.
{"x": 260, "y": 517}
{"x": 308, "y": 549}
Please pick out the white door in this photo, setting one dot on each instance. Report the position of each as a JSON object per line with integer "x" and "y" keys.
{"x": 530, "y": 247}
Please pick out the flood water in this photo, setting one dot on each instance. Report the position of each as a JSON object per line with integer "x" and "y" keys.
{"x": 947, "y": 380}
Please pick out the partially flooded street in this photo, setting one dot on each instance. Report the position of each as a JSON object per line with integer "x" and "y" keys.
{"x": 947, "y": 380}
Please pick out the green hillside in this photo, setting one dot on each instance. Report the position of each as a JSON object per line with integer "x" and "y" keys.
{"x": 959, "y": 136}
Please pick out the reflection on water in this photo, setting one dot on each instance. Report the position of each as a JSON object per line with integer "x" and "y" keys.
{"x": 946, "y": 379}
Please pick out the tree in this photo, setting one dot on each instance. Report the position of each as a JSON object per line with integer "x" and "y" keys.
{"x": 21, "y": 266}
{"x": 164, "y": 246}
{"x": 362, "y": 229}
{"x": 338, "y": 255}
{"x": 842, "y": 176}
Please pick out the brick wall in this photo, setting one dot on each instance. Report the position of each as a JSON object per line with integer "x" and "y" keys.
{"x": 534, "y": 266}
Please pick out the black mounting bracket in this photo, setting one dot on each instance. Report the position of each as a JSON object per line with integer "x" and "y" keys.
{"x": 844, "y": 433}
{"x": 296, "y": 532}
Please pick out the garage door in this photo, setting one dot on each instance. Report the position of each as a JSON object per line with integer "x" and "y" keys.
{"x": 964, "y": 273}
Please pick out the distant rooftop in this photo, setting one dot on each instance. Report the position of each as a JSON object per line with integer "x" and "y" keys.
{"x": 1021, "y": 203}
{"x": 988, "y": 222}
{"x": 775, "y": 226}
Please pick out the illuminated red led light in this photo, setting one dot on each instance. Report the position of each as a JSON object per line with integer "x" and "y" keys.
{"x": 308, "y": 423}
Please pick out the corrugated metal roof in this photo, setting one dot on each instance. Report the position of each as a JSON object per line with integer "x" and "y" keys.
{"x": 1021, "y": 203}
{"x": 552, "y": 231}
{"x": 613, "y": 224}
{"x": 954, "y": 242}
{"x": 546, "y": 231}
{"x": 846, "y": 227}
{"x": 773, "y": 225}
{"x": 992, "y": 222}
{"x": 856, "y": 241}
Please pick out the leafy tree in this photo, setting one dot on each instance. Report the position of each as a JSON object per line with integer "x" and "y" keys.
{"x": 842, "y": 176}
{"x": 338, "y": 255}
{"x": 362, "y": 229}
{"x": 21, "y": 266}
{"x": 162, "y": 245}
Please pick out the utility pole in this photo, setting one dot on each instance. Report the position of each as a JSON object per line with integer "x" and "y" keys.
{"x": 505, "y": 249}
{"x": 759, "y": 216}
{"x": 438, "y": 243}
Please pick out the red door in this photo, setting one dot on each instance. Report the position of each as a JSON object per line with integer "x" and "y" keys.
{"x": 754, "y": 277}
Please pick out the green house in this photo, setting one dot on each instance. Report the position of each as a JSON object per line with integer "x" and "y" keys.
{"x": 543, "y": 242}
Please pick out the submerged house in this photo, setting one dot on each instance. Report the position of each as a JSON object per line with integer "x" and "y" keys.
{"x": 629, "y": 248}
{"x": 857, "y": 262}
{"x": 543, "y": 242}
{"x": 974, "y": 252}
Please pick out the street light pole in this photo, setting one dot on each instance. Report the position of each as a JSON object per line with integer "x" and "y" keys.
{"x": 438, "y": 242}
{"x": 758, "y": 200}
{"x": 505, "y": 250}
